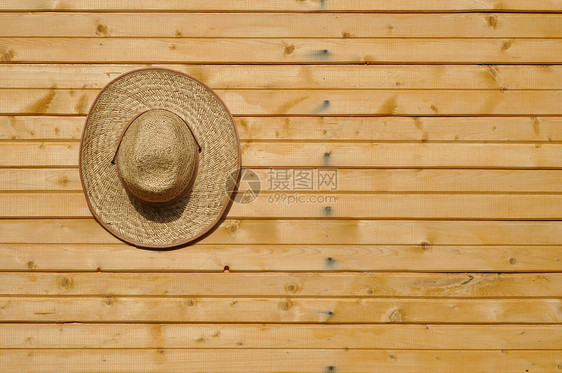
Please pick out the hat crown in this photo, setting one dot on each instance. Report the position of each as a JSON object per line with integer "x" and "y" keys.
{"x": 158, "y": 157}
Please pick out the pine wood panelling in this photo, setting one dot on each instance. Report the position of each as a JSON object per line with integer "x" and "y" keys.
{"x": 317, "y": 256}
{"x": 82, "y": 76}
{"x": 294, "y": 205}
{"x": 318, "y": 102}
{"x": 422, "y": 234}
{"x": 228, "y": 25}
{"x": 287, "y": 50}
{"x": 292, "y": 6}
{"x": 268, "y": 360}
{"x": 321, "y": 285}
{"x": 191, "y": 309}
{"x": 349, "y": 180}
{"x": 329, "y": 155}
{"x": 241, "y": 336}
{"x": 438, "y": 251}
{"x": 328, "y": 129}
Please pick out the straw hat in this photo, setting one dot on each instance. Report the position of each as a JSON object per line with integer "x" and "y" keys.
{"x": 159, "y": 158}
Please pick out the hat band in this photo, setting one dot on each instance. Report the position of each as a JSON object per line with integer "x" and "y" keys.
{"x": 189, "y": 185}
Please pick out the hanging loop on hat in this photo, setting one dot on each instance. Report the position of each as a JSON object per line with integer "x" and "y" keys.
{"x": 138, "y": 115}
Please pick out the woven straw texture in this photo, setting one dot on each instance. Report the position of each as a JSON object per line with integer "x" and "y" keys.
{"x": 157, "y": 157}
{"x": 219, "y": 160}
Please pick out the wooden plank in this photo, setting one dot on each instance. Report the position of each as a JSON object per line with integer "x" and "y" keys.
{"x": 422, "y": 234}
{"x": 427, "y": 129}
{"x": 244, "y": 25}
{"x": 329, "y": 155}
{"x": 287, "y": 50}
{"x": 318, "y": 102}
{"x": 296, "y": 205}
{"x": 321, "y": 285}
{"x": 283, "y": 257}
{"x": 271, "y": 5}
{"x": 82, "y": 76}
{"x": 242, "y": 336}
{"x": 348, "y": 180}
{"x": 384, "y": 155}
{"x": 278, "y": 310}
{"x": 277, "y": 360}
{"x": 40, "y": 179}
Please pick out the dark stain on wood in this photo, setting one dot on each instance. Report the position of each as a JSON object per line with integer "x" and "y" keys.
{"x": 284, "y": 108}
{"x": 320, "y": 54}
{"x": 369, "y": 59}
{"x": 492, "y": 21}
{"x": 65, "y": 282}
{"x": 389, "y": 106}
{"x": 506, "y": 45}
{"x": 102, "y": 30}
{"x": 493, "y": 72}
{"x": 285, "y": 305}
{"x": 324, "y": 106}
{"x": 289, "y": 49}
{"x": 81, "y": 104}
{"x": 7, "y": 55}
{"x": 43, "y": 104}
{"x": 63, "y": 181}
{"x": 536, "y": 126}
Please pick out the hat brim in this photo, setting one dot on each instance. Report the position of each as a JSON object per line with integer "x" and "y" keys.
{"x": 219, "y": 161}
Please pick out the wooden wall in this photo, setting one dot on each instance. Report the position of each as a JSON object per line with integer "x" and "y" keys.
{"x": 440, "y": 253}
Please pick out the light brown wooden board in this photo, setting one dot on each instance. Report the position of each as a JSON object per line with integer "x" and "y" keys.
{"x": 348, "y": 180}
{"x": 328, "y": 129}
{"x": 318, "y": 102}
{"x": 311, "y": 205}
{"x": 329, "y": 155}
{"x": 242, "y": 336}
{"x": 274, "y": 310}
{"x": 422, "y": 234}
{"x": 318, "y": 256}
{"x": 286, "y": 50}
{"x": 300, "y": 6}
{"x": 81, "y": 76}
{"x": 268, "y": 360}
{"x": 321, "y": 285}
{"x": 229, "y": 25}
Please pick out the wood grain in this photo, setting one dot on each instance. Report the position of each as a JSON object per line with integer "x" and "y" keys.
{"x": 300, "y": 6}
{"x": 286, "y": 50}
{"x": 379, "y": 129}
{"x": 439, "y": 252}
{"x": 329, "y": 155}
{"x": 295, "y": 205}
{"x": 321, "y": 285}
{"x": 422, "y": 234}
{"x": 313, "y": 256}
{"x": 242, "y": 336}
{"x": 81, "y": 76}
{"x": 268, "y": 360}
{"x": 318, "y": 102}
{"x": 229, "y": 25}
{"x": 286, "y": 310}
{"x": 349, "y": 180}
